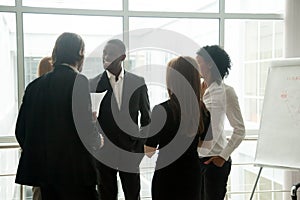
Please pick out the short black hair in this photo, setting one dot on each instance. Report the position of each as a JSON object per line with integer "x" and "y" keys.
{"x": 219, "y": 56}
{"x": 119, "y": 43}
{"x": 68, "y": 49}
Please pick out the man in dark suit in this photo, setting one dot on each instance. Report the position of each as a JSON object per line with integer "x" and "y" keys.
{"x": 124, "y": 107}
{"x": 55, "y": 128}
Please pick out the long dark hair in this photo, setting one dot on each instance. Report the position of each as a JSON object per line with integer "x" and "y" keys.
{"x": 69, "y": 49}
{"x": 183, "y": 74}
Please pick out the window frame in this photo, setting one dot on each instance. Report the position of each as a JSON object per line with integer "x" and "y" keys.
{"x": 126, "y": 14}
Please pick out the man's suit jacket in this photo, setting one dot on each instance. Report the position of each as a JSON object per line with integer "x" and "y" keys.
{"x": 121, "y": 126}
{"x": 51, "y": 142}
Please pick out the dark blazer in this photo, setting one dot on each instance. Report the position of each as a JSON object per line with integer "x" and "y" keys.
{"x": 121, "y": 127}
{"x": 177, "y": 174}
{"x": 47, "y": 131}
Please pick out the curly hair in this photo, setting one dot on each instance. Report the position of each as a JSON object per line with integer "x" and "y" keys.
{"x": 219, "y": 56}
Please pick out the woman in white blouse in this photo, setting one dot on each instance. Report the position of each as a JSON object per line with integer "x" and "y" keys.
{"x": 221, "y": 100}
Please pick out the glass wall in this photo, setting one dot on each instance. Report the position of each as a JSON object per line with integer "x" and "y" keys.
{"x": 251, "y": 31}
{"x": 252, "y": 45}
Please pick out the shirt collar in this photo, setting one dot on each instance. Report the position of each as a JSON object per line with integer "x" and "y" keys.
{"x": 110, "y": 75}
{"x": 73, "y": 68}
{"x": 213, "y": 86}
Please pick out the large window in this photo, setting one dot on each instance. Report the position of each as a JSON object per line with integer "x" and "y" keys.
{"x": 251, "y": 31}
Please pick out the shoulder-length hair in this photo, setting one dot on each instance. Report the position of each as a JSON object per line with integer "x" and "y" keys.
{"x": 183, "y": 83}
{"x": 45, "y": 65}
{"x": 68, "y": 49}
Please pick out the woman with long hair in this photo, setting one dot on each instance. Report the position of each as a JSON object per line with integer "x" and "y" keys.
{"x": 177, "y": 127}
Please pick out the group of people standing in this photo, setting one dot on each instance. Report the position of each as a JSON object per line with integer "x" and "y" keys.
{"x": 68, "y": 152}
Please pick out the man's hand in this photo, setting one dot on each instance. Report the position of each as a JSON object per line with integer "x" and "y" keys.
{"x": 102, "y": 141}
{"x": 217, "y": 160}
{"x": 94, "y": 116}
{"x": 149, "y": 151}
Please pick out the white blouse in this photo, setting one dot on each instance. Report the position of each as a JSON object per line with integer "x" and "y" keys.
{"x": 222, "y": 100}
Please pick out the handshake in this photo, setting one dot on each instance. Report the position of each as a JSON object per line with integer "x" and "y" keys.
{"x": 99, "y": 136}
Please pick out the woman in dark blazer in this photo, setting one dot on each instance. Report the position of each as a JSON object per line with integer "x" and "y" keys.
{"x": 178, "y": 125}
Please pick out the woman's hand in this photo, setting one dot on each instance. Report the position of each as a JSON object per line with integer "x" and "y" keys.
{"x": 217, "y": 160}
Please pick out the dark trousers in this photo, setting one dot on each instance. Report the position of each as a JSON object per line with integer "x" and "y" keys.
{"x": 67, "y": 192}
{"x": 108, "y": 187}
{"x": 214, "y": 180}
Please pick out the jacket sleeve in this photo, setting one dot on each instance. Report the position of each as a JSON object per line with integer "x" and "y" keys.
{"x": 144, "y": 107}
{"x": 20, "y": 125}
{"x": 82, "y": 114}
{"x": 234, "y": 116}
{"x": 156, "y": 126}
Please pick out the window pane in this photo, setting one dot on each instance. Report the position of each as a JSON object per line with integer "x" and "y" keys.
{"x": 77, "y": 4}
{"x": 251, "y": 79}
{"x": 9, "y": 190}
{"x": 251, "y": 115}
{"x": 176, "y": 27}
{"x": 9, "y": 159}
{"x": 7, "y": 2}
{"x": 254, "y": 6}
{"x": 41, "y": 31}
{"x": 252, "y": 45}
{"x": 279, "y": 38}
{"x": 266, "y": 36}
{"x": 251, "y": 33}
{"x": 8, "y": 74}
{"x": 263, "y": 74}
{"x": 175, "y": 5}
{"x": 150, "y": 51}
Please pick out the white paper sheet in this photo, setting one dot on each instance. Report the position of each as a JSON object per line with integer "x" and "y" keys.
{"x": 96, "y": 99}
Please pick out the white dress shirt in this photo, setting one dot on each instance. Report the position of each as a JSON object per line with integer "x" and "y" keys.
{"x": 222, "y": 100}
{"x": 117, "y": 86}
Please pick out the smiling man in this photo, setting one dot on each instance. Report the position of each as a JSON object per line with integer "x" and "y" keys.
{"x": 124, "y": 106}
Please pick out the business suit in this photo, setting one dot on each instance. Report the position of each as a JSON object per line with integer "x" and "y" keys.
{"x": 53, "y": 155}
{"x": 121, "y": 134}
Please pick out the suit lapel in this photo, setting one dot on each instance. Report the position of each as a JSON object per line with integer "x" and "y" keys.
{"x": 125, "y": 91}
{"x": 103, "y": 84}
